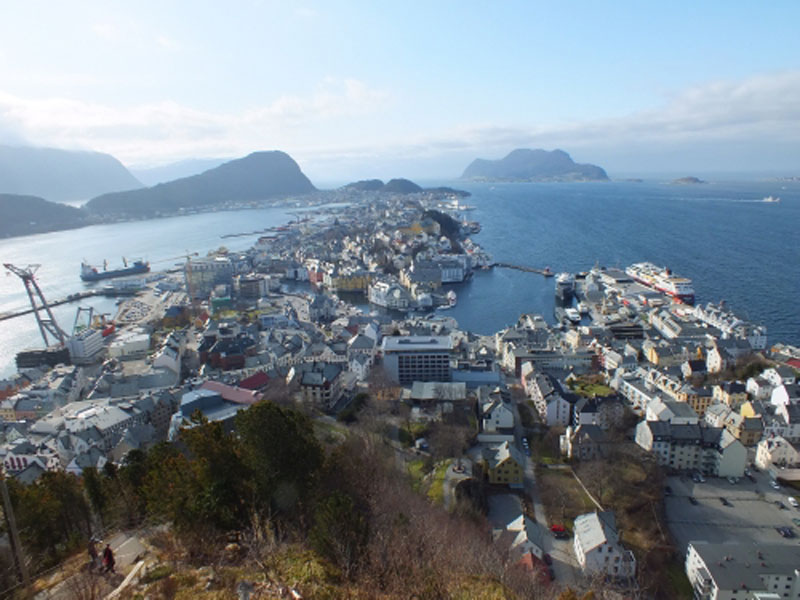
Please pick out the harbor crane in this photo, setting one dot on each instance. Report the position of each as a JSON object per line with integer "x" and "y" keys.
{"x": 47, "y": 322}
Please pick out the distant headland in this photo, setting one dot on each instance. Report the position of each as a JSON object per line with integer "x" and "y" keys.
{"x": 535, "y": 166}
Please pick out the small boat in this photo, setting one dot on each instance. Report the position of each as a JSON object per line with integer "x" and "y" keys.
{"x": 451, "y": 298}
{"x": 583, "y": 308}
{"x": 771, "y": 199}
{"x": 573, "y": 315}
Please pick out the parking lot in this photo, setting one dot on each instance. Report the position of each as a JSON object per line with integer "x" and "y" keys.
{"x": 751, "y": 514}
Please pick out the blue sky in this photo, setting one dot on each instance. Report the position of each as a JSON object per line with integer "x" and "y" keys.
{"x": 358, "y": 89}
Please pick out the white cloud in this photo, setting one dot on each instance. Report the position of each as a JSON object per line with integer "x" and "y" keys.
{"x": 328, "y": 125}
{"x": 165, "y": 131}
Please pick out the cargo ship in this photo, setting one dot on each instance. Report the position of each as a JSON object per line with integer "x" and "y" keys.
{"x": 663, "y": 280}
{"x": 90, "y": 273}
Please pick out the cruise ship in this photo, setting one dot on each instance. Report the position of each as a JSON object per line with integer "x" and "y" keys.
{"x": 663, "y": 280}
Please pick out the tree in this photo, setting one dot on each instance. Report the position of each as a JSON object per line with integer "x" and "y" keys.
{"x": 340, "y": 531}
{"x": 281, "y": 452}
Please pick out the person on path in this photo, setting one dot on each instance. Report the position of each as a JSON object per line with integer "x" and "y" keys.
{"x": 108, "y": 559}
{"x": 92, "y": 549}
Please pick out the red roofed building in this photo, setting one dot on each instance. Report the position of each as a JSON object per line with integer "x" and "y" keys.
{"x": 233, "y": 394}
{"x": 256, "y": 381}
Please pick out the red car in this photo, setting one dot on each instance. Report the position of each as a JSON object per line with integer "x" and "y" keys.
{"x": 559, "y": 531}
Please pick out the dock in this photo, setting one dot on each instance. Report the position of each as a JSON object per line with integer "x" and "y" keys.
{"x": 546, "y": 272}
{"x": 71, "y": 298}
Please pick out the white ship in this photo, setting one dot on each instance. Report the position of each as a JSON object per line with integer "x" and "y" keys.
{"x": 573, "y": 315}
{"x": 663, "y": 280}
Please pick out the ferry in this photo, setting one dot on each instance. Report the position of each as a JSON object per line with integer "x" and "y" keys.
{"x": 662, "y": 280}
{"x": 573, "y": 315}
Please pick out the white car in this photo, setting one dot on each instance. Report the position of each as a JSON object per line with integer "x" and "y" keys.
{"x": 792, "y": 501}
{"x": 775, "y": 485}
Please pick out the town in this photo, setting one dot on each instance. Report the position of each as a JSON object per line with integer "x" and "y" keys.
{"x": 641, "y": 444}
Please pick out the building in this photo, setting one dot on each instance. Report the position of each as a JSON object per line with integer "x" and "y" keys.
{"x": 743, "y": 571}
{"x": 85, "y": 346}
{"x": 585, "y": 442}
{"x": 776, "y": 451}
{"x": 504, "y": 464}
{"x": 711, "y": 450}
{"x": 417, "y": 358}
{"x": 598, "y": 549}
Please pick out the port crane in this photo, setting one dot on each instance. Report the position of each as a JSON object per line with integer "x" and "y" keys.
{"x": 47, "y": 322}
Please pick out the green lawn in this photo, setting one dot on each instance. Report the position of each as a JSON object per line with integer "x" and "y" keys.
{"x": 436, "y": 489}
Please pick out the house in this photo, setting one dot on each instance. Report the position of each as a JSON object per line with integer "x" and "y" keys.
{"x": 550, "y": 399}
{"x": 743, "y": 570}
{"x": 504, "y": 464}
{"x": 776, "y": 451}
{"x": 605, "y": 412}
{"x": 731, "y": 393}
{"x": 525, "y": 538}
{"x": 671, "y": 411}
{"x": 759, "y": 388}
{"x": 497, "y": 415}
{"x": 693, "y": 367}
{"x": 598, "y": 549}
{"x": 584, "y": 442}
{"x": 320, "y": 383}
{"x": 780, "y": 375}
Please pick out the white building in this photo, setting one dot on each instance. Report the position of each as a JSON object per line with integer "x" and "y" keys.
{"x": 743, "y": 571}
{"x": 85, "y": 346}
{"x": 598, "y": 549}
{"x": 775, "y": 451}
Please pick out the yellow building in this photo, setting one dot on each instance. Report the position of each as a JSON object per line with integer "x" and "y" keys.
{"x": 698, "y": 398}
{"x": 504, "y": 464}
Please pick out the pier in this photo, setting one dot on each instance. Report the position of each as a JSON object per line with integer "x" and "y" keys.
{"x": 71, "y": 298}
{"x": 546, "y": 272}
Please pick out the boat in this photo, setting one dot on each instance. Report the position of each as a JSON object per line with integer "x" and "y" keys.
{"x": 662, "y": 280}
{"x": 565, "y": 286}
{"x": 583, "y": 308}
{"x": 771, "y": 199}
{"x": 451, "y": 298}
{"x": 91, "y": 273}
{"x": 573, "y": 315}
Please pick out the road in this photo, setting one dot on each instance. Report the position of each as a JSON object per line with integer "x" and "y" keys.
{"x": 565, "y": 564}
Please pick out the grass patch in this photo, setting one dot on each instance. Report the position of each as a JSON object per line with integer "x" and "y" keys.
{"x": 562, "y": 496}
{"x": 681, "y": 587}
{"x": 590, "y": 386}
{"x": 159, "y": 572}
{"x": 436, "y": 489}
{"x": 416, "y": 469}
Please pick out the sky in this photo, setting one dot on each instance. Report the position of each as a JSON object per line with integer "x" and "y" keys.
{"x": 413, "y": 88}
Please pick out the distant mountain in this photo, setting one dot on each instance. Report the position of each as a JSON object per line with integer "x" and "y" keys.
{"x": 177, "y": 170}
{"x": 25, "y": 215}
{"x": 61, "y": 175}
{"x": 533, "y": 165}
{"x": 366, "y": 185}
{"x": 258, "y": 176}
{"x": 401, "y": 186}
{"x": 687, "y": 181}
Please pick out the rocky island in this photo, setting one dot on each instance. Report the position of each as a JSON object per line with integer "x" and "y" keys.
{"x": 533, "y": 165}
{"x": 687, "y": 181}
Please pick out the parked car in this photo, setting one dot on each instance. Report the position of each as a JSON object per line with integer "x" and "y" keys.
{"x": 548, "y": 560}
{"x": 792, "y": 501}
{"x": 780, "y": 504}
{"x": 551, "y": 574}
{"x": 559, "y": 531}
{"x": 693, "y": 500}
{"x": 786, "y": 532}
{"x": 796, "y": 522}
{"x": 775, "y": 485}
{"x": 724, "y": 501}
{"x": 667, "y": 490}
